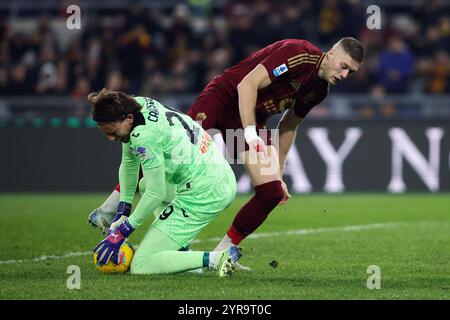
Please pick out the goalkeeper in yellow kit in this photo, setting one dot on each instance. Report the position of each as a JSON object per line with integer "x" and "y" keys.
{"x": 171, "y": 148}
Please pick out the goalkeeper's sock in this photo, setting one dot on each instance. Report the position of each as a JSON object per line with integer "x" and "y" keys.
{"x": 112, "y": 202}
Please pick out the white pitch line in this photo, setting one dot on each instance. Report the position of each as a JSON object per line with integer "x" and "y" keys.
{"x": 45, "y": 257}
{"x": 299, "y": 232}
{"x": 302, "y": 232}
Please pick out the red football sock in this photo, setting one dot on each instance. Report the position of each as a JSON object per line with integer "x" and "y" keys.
{"x": 253, "y": 213}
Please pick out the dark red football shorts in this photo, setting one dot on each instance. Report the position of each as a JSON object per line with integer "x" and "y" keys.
{"x": 216, "y": 112}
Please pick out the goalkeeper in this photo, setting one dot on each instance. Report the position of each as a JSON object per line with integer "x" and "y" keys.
{"x": 170, "y": 147}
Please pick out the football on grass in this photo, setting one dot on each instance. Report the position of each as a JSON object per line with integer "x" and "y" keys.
{"x": 126, "y": 253}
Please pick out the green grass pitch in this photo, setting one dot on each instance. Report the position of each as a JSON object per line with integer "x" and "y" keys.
{"x": 333, "y": 240}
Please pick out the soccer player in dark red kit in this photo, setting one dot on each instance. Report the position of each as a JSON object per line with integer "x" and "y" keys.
{"x": 290, "y": 76}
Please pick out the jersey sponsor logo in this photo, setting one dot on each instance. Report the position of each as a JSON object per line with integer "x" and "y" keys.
{"x": 286, "y": 103}
{"x": 270, "y": 106}
{"x": 278, "y": 71}
{"x": 273, "y": 107}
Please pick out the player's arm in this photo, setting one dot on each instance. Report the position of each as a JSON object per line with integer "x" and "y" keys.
{"x": 248, "y": 88}
{"x": 128, "y": 179}
{"x": 120, "y": 229}
{"x": 152, "y": 166}
{"x": 152, "y": 198}
{"x": 153, "y": 169}
{"x": 128, "y": 174}
{"x": 287, "y": 127}
{"x": 289, "y": 123}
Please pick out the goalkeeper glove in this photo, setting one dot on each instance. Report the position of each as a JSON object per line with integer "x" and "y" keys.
{"x": 108, "y": 249}
{"x": 123, "y": 212}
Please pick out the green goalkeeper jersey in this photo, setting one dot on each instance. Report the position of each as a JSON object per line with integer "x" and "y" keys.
{"x": 169, "y": 146}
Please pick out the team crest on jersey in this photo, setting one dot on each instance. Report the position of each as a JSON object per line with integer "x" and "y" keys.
{"x": 278, "y": 71}
{"x": 201, "y": 116}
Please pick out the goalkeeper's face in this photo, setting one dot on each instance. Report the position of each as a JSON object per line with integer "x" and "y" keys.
{"x": 118, "y": 130}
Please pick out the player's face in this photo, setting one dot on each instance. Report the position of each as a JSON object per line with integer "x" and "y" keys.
{"x": 118, "y": 130}
{"x": 339, "y": 66}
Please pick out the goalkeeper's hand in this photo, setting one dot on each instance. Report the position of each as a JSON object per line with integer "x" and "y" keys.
{"x": 108, "y": 249}
{"x": 123, "y": 212}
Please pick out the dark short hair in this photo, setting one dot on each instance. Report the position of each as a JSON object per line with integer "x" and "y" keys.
{"x": 110, "y": 106}
{"x": 353, "y": 48}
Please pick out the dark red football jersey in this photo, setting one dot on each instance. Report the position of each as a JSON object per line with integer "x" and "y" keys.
{"x": 292, "y": 65}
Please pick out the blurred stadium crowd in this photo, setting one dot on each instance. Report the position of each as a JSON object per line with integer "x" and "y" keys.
{"x": 171, "y": 50}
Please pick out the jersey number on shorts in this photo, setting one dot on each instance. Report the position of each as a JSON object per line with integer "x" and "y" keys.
{"x": 169, "y": 210}
{"x": 166, "y": 213}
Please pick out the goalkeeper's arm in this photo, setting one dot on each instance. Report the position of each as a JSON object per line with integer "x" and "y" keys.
{"x": 152, "y": 197}
{"x": 128, "y": 174}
